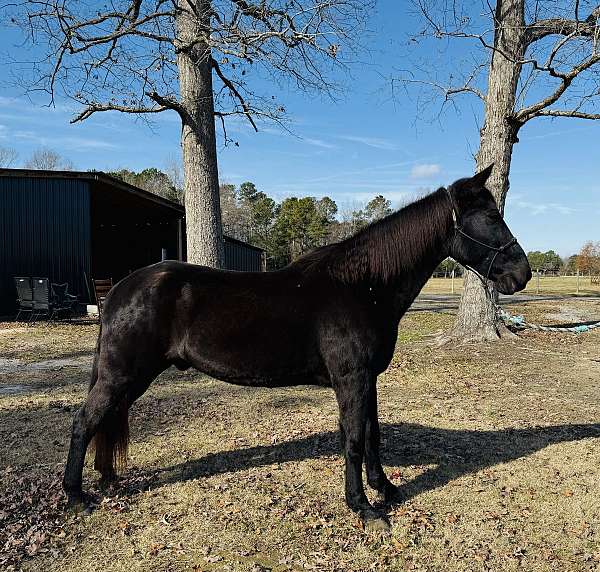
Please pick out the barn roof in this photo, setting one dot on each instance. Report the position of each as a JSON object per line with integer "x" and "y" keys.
{"x": 95, "y": 177}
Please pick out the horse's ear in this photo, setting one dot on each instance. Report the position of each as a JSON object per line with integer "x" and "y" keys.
{"x": 481, "y": 178}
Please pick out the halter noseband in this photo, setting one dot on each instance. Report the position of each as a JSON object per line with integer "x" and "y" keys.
{"x": 496, "y": 249}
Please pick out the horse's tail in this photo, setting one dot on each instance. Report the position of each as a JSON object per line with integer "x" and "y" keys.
{"x": 112, "y": 438}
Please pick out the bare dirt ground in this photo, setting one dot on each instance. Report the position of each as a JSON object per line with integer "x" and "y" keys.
{"x": 496, "y": 447}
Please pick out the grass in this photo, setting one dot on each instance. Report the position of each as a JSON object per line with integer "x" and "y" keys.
{"x": 549, "y": 285}
{"x": 496, "y": 448}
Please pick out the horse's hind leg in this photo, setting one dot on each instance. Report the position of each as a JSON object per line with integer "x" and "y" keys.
{"x": 103, "y": 398}
{"x": 112, "y": 435}
{"x": 110, "y": 442}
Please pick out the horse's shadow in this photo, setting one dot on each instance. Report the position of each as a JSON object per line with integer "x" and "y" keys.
{"x": 453, "y": 452}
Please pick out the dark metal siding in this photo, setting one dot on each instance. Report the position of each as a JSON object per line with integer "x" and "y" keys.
{"x": 44, "y": 231}
{"x": 240, "y": 256}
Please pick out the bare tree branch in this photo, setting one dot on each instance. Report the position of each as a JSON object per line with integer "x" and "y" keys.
{"x": 99, "y": 107}
{"x": 564, "y": 27}
{"x": 448, "y": 91}
{"x": 229, "y": 84}
{"x": 531, "y": 111}
{"x": 567, "y": 113}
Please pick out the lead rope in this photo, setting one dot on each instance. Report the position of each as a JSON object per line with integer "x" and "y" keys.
{"x": 519, "y": 322}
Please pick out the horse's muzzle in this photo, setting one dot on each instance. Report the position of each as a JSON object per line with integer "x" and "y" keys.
{"x": 512, "y": 282}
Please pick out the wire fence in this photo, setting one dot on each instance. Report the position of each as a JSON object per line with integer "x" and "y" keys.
{"x": 574, "y": 285}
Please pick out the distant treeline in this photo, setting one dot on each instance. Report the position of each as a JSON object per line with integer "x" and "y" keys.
{"x": 288, "y": 229}
{"x": 587, "y": 261}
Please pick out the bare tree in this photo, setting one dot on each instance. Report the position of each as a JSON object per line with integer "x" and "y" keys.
{"x": 174, "y": 170}
{"x": 8, "y": 157}
{"x": 541, "y": 59}
{"x": 236, "y": 215}
{"x": 197, "y": 58}
{"x": 49, "y": 160}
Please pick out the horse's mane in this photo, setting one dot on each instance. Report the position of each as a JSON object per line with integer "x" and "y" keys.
{"x": 389, "y": 246}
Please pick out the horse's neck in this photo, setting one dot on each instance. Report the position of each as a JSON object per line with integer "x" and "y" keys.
{"x": 406, "y": 247}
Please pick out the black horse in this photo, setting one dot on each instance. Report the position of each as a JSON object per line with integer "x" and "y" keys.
{"x": 329, "y": 318}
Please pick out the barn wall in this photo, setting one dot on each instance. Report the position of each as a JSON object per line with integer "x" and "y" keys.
{"x": 240, "y": 256}
{"x": 44, "y": 231}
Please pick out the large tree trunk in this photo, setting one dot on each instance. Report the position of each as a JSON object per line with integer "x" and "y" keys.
{"x": 476, "y": 319}
{"x": 198, "y": 139}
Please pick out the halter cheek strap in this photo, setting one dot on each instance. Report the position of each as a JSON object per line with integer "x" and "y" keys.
{"x": 495, "y": 249}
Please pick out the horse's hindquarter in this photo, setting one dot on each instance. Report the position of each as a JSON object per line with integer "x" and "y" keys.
{"x": 253, "y": 329}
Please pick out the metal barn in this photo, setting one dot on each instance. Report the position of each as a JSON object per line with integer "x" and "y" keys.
{"x": 71, "y": 226}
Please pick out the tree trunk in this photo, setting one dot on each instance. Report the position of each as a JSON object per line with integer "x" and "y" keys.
{"x": 198, "y": 139}
{"x": 476, "y": 319}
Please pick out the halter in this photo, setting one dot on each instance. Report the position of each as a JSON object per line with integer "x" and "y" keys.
{"x": 496, "y": 249}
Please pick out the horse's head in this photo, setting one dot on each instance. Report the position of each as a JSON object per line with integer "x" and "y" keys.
{"x": 482, "y": 240}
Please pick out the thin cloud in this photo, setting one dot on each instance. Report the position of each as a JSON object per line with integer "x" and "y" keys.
{"x": 375, "y": 142}
{"x": 66, "y": 142}
{"x": 35, "y": 108}
{"x": 318, "y": 143}
{"x": 425, "y": 171}
{"x": 555, "y": 133}
{"x": 393, "y": 171}
{"x": 543, "y": 208}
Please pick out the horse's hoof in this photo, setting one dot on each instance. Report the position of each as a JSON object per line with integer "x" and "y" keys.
{"x": 78, "y": 506}
{"x": 108, "y": 482}
{"x": 377, "y": 526}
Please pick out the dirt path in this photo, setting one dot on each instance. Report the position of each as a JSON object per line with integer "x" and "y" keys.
{"x": 496, "y": 448}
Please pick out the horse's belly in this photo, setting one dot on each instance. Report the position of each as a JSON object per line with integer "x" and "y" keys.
{"x": 250, "y": 363}
{"x": 274, "y": 381}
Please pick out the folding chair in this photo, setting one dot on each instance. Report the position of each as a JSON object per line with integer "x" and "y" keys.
{"x": 41, "y": 297}
{"x": 62, "y": 301}
{"x": 24, "y": 295}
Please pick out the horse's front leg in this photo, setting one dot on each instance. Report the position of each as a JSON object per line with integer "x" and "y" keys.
{"x": 376, "y": 476}
{"x": 352, "y": 391}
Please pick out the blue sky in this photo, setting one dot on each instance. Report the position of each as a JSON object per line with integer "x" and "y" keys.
{"x": 365, "y": 143}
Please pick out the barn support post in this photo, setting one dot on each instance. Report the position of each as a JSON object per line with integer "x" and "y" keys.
{"x": 180, "y": 239}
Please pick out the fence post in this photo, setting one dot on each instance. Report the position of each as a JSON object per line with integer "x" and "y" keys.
{"x": 578, "y": 281}
{"x": 537, "y": 282}
{"x": 452, "y": 282}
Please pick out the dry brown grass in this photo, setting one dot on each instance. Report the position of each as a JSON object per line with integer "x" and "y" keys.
{"x": 559, "y": 285}
{"x": 496, "y": 448}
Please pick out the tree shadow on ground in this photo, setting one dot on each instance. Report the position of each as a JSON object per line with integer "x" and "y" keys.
{"x": 453, "y": 452}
